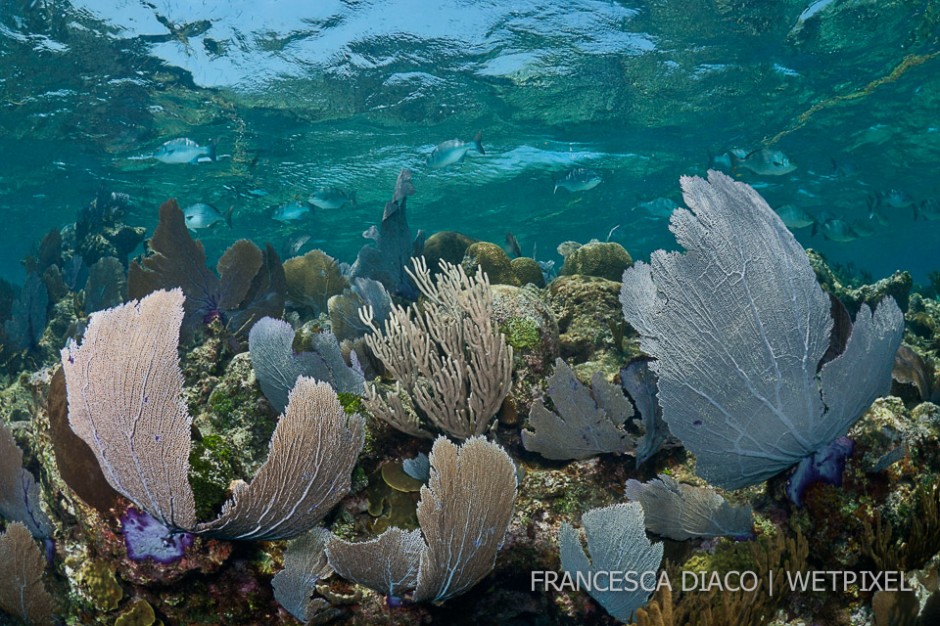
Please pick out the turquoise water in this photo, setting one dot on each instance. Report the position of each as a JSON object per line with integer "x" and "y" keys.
{"x": 299, "y": 96}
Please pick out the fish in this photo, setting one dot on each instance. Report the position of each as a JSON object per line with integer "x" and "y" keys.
{"x": 202, "y": 215}
{"x": 843, "y": 169}
{"x": 291, "y": 212}
{"x": 567, "y": 247}
{"x": 332, "y": 198}
{"x": 808, "y": 13}
{"x": 927, "y": 209}
{"x": 838, "y": 230}
{"x": 765, "y": 162}
{"x": 183, "y": 150}
{"x": 293, "y": 245}
{"x": 548, "y": 270}
{"x": 894, "y": 198}
{"x": 863, "y": 228}
{"x": 578, "y": 179}
{"x": 726, "y": 159}
{"x": 794, "y": 217}
{"x": 454, "y": 151}
{"x": 513, "y": 244}
{"x": 659, "y": 208}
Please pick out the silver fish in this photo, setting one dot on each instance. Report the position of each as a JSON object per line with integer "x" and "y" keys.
{"x": 863, "y": 228}
{"x": 928, "y": 210}
{"x": 578, "y": 179}
{"x": 454, "y": 151}
{"x": 512, "y": 245}
{"x": 291, "y": 212}
{"x": 184, "y": 150}
{"x": 293, "y": 245}
{"x": 794, "y": 217}
{"x": 894, "y": 198}
{"x": 332, "y": 198}
{"x": 567, "y": 247}
{"x": 765, "y": 162}
{"x": 548, "y": 270}
{"x": 838, "y": 230}
{"x": 726, "y": 160}
{"x": 202, "y": 215}
{"x": 657, "y": 209}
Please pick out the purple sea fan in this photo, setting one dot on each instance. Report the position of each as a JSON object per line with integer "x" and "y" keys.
{"x": 145, "y": 537}
{"x": 250, "y": 283}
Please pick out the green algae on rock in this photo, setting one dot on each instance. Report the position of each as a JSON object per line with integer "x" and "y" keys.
{"x": 588, "y": 313}
{"x": 530, "y": 328}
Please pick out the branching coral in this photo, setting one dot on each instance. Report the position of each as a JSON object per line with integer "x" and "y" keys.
{"x": 452, "y": 364}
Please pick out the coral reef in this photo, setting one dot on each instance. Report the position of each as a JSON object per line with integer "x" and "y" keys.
{"x": 447, "y": 245}
{"x": 456, "y": 542}
{"x": 590, "y": 322}
{"x": 531, "y": 331}
{"x": 853, "y": 293}
{"x": 312, "y": 279}
{"x": 597, "y": 258}
{"x": 492, "y": 260}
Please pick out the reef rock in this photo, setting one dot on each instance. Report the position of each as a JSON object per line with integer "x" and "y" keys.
{"x": 530, "y": 328}
{"x": 527, "y": 271}
{"x": 590, "y": 322}
{"x": 447, "y": 245}
{"x": 597, "y": 258}
{"x": 853, "y": 293}
{"x": 491, "y": 259}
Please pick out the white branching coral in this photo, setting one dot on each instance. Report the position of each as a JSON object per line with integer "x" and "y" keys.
{"x": 452, "y": 364}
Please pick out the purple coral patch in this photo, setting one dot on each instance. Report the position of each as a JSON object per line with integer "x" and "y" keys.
{"x": 145, "y": 537}
{"x": 824, "y": 465}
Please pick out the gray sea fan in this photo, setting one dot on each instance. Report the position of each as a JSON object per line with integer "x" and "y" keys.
{"x": 588, "y": 422}
{"x": 305, "y": 565}
{"x": 739, "y": 327}
{"x": 639, "y": 381}
{"x": 125, "y": 389}
{"x": 681, "y": 512}
{"x": 464, "y": 514}
{"x": 388, "y": 563}
{"x": 277, "y": 366}
{"x": 19, "y": 492}
{"x": 616, "y": 542}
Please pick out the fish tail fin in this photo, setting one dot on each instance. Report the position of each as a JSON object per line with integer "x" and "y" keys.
{"x": 228, "y": 215}
{"x": 478, "y": 142}
{"x": 735, "y": 160}
{"x": 555, "y": 190}
{"x": 815, "y": 229}
{"x": 211, "y": 146}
